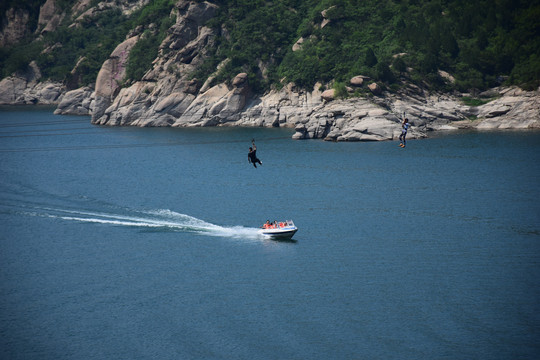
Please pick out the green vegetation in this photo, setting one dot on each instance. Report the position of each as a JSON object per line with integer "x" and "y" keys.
{"x": 57, "y": 53}
{"x": 482, "y": 43}
{"x": 92, "y": 41}
{"x": 89, "y": 44}
{"x": 476, "y": 41}
{"x": 17, "y": 58}
{"x": 471, "y": 101}
{"x": 146, "y": 49}
{"x": 259, "y": 32}
{"x": 340, "y": 90}
{"x": 30, "y": 6}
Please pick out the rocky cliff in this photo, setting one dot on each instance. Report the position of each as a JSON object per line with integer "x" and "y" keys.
{"x": 167, "y": 95}
{"x": 15, "y": 27}
{"x": 26, "y": 88}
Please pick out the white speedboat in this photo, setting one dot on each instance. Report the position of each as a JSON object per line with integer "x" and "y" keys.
{"x": 283, "y": 230}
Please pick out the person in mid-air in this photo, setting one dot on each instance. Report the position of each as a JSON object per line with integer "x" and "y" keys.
{"x": 252, "y": 155}
{"x": 405, "y": 127}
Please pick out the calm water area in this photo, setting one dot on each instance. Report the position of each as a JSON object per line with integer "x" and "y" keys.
{"x": 142, "y": 243}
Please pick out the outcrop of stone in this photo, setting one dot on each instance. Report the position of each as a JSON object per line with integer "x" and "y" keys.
{"x": 111, "y": 75}
{"x": 15, "y": 26}
{"x": 49, "y": 17}
{"x": 77, "y": 102}
{"x": 83, "y": 11}
{"x": 24, "y": 88}
{"x": 166, "y": 95}
{"x": 512, "y": 109}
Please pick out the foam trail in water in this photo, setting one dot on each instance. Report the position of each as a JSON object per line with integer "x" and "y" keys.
{"x": 197, "y": 225}
{"x": 162, "y": 218}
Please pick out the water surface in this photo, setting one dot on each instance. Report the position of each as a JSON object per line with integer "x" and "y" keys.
{"x": 132, "y": 243}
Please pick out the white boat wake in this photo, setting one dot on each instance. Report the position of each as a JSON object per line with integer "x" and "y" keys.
{"x": 23, "y": 200}
{"x": 162, "y": 219}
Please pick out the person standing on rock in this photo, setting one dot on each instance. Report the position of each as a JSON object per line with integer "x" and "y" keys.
{"x": 252, "y": 155}
{"x": 405, "y": 127}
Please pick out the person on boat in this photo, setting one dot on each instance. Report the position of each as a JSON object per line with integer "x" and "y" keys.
{"x": 252, "y": 155}
{"x": 266, "y": 225}
{"x": 405, "y": 127}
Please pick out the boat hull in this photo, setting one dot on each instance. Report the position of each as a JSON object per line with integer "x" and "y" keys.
{"x": 283, "y": 233}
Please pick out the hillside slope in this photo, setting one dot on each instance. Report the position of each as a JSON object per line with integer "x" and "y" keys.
{"x": 281, "y": 63}
{"x": 480, "y": 43}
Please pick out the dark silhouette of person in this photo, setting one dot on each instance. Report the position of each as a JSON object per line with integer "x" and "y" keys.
{"x": 252, "y": 155}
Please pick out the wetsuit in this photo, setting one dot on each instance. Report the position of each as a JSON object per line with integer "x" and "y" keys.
{"x": 404, "y": 133}
{"x": 252, "y": 157}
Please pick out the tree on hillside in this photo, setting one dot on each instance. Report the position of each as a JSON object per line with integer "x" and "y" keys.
{"x": 370, "y": 59}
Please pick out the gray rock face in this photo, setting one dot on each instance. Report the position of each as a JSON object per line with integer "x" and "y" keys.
{"x": 46, "y": 93}
{"x": 314, "y": 116}
{"x": 352, "y": 120}
{"x": 76, "y": 102}
{"x": 49, "y": 17}
{"x": 11, "y": 89}
{"x": 15, "y": 26}
{"x": 515, "y": 109}
{"x": 109, "y": 77}
{"x": 24, "y": 88}
{"x": 166, "y": 95}
{"x": 89, "y": 9}
{"x": 512, "y": 109}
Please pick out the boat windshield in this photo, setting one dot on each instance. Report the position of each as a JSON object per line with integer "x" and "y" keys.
{"x": 277, "y": 225}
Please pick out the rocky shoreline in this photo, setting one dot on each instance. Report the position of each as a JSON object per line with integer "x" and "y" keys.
{"x": 369, "y": 118}
{"x": 167, "y": 95}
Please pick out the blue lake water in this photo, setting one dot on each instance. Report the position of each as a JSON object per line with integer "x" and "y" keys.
{"x": 130, "y": 243}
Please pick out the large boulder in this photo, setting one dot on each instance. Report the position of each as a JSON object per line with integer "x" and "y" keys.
{"x": 47, "y": 93}
{"x": 114, "y": 68}
{"x": 298, "y": 44}
{"x": 76, "y": 102}
{"x": 14, "y": 89}
{"x": 11, "y": 88}
{"x": 49, "y": 17}
{"x": 110, "y": 76}
{"x": 192, "y": 16}
{"x": 375, "y": 89}
{"x": 328, "y": 95}
{"x": 80, "y": 6}
{"x": 240, "y": 80}
{"x": 324, "y": 14}
{"x": 514, "y": 109}
{"x": 357, "y": 80}
{"x": 204, "y": 107}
